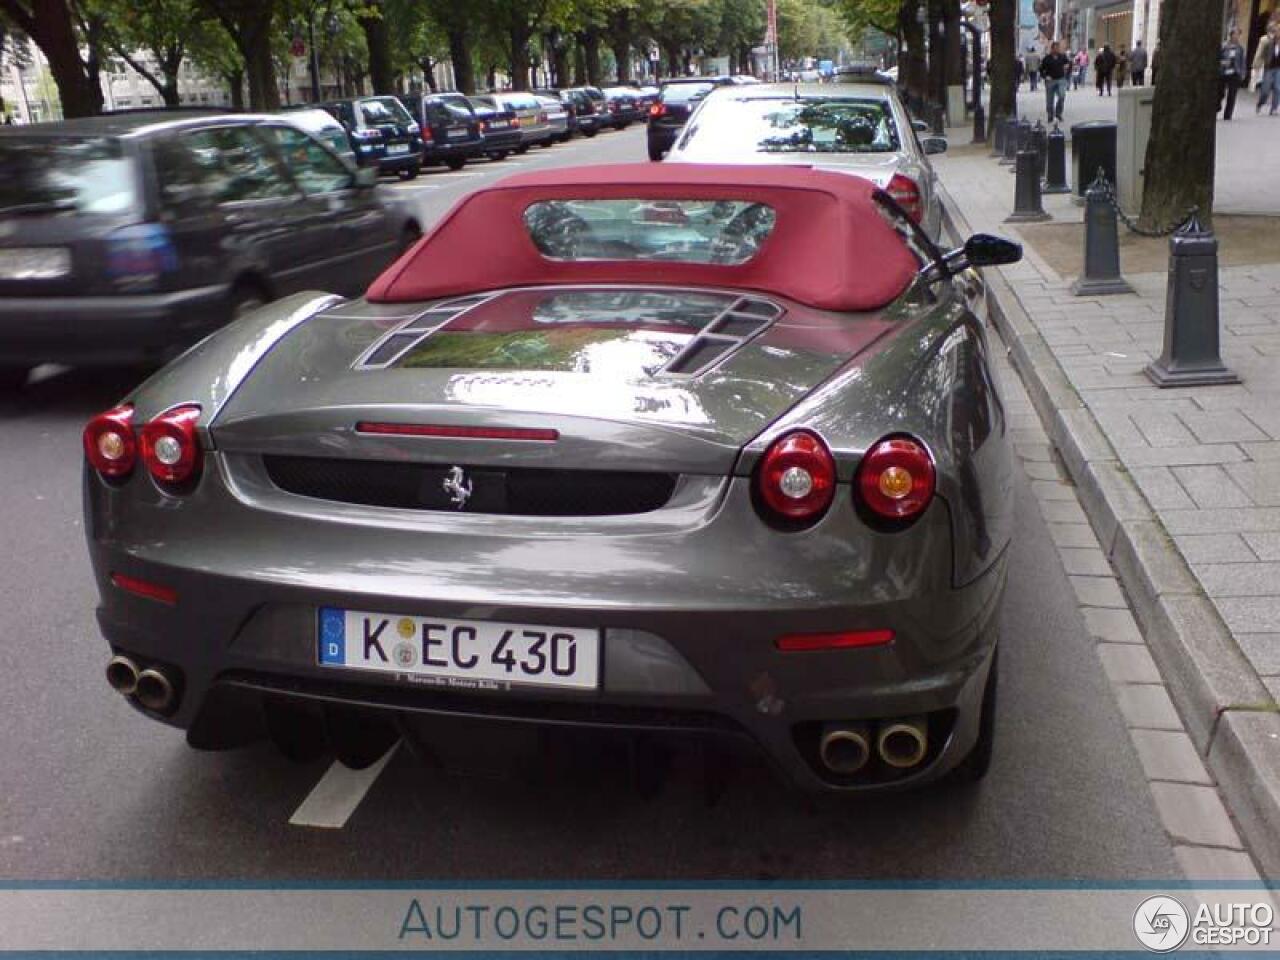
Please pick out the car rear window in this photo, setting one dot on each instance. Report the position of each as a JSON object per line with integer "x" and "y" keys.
{"x": 80, "y": 174}
{"x": 383, "y": 110}
{"x": 692, "y": 231}
{"x": 684, "y": 92}
{"x": 814, "y": 125}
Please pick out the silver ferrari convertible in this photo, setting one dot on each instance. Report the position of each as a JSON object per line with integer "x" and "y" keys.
{"x": 703, "y": 450}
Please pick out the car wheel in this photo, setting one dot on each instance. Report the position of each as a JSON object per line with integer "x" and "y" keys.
{"x": 655, "y": 153}
{"x": 498, "y": 156}
{"x": 410, "y": 173}
{"x": 245, "y": 298}
{"x": 591, "y": 132}
{"x": 410, "y": 235}
{"x": 455, "y": 164}
{"x": 975, "y": 766}
{"x": 522, "y": 149}
{"x": 12, "y": 379}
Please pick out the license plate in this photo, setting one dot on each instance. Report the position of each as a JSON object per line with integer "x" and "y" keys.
{"x": 498, "y": 124}
{"x": 475, "y": 654}
{"x": 34, "y": 263}
{"x": 456, "y": 133}
{"x": 398, "y": 148}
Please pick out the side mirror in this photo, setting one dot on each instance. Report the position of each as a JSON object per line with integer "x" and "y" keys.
{"x": 367, "y": 178}
{"x": 980, "y": 250}
{"x": 934, "y": 145}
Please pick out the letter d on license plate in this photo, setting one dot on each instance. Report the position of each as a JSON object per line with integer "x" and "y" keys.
{"x": 478, "y": 650}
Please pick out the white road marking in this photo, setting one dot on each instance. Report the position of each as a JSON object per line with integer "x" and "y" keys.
{"x": 335, "y": 798}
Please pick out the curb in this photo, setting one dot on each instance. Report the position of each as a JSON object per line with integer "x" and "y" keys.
{"x": 1229, "y": 714}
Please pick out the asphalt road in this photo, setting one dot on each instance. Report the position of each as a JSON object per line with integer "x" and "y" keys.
{"x": 91, "y": 790}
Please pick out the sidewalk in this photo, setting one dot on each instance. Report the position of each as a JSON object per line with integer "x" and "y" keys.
{"x": 1182, "y": 486}
{"x": 1248, "y": 146}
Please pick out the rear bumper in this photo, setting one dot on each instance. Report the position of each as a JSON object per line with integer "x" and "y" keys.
{"x": 444, "y": 150}
{"x": 689, "y": 630}
{"x": 663, "y": 137}
{"x": 403, "y": 161}
{"x": 502, "y": 140}
{"x": 107, "y": 329}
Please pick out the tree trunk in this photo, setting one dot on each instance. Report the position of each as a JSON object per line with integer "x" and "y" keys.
{"x": 1180, "y": 153}
{"x": 49, "y": 24}
{"x": 579, "y": 61}
{"x": 429, "y": 74}
{"x": 1003, "y": 104}
{"x": 464, "y": 69}
{"x": 170, "y": 90}
{"x": 673, "y": 52}
{"x": 937, "y": 53}
{"x": 591, "y": 53}
{"x": 560, "y": 63}
{"x": 236, "y": 82}
{"x": 911, "y": 63}
{"x": 955, "y": 42}
{"x": 378, "y": 41}
{"x": 519, "y": 36}
{"x": 621, "y": 48}
{"x": 261, "y": 70}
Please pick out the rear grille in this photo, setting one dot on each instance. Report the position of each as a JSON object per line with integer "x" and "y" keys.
{"x": 493, "y": 490}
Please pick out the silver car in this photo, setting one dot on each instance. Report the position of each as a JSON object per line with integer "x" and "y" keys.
{"x": 530, "y": 114}
{"x": 859, "y": 128}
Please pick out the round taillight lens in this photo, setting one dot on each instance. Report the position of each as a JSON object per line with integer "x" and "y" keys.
{"x": 797, "y": 477}
{"x": 109, "y": 443}
{"x": 170, "y": 446}
{"x": 896, "y": 478}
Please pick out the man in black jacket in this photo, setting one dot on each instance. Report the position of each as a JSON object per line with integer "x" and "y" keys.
{"x": 1054, "y": 68}
{"x": 1230, "y": 73}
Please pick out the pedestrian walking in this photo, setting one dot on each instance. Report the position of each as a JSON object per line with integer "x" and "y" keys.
{"x": 1268, "y": 58}
{"x": 1056, "y": 70}
{"x": 1230, "y": 73}
{"x": 1104, "y": 64}
{"x": 1019, "y": 68}
{"x": 1122, "y": 69}
{"x": 1138, "y": 64}
{"x": 1032, "y": 61}
{"x": 1081, "y": 64}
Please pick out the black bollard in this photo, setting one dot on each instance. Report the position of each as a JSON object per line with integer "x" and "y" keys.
{"x": 938, "y": 120}
{"x": 979, "y": 125}
{"x": 1026, "y": 192}
{"x": 1039, "y": 144}
{"x": 1056, "y": 165}
{"x": 999, "y": 125}
{"x": 1190, "y": 357}
{"x": 1022, "y": 137}
{"x": 1010, "y": 155}
{"x": 1101, "y": 246}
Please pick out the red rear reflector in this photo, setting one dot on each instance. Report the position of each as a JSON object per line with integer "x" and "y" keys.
{"x": 145, "y": 589}
{"x": 461, "y": 433}
{"x": 794, "y": 642}
{"x": 657, "y": 110}
{"x": 907, "y": 194}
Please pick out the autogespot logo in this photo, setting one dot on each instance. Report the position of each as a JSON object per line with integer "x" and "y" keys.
{"x": 1161, "y": 924}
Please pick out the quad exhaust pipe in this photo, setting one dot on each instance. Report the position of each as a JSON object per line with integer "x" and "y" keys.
{"x": 845, "y": 748}
{"x": 151, "y": 687}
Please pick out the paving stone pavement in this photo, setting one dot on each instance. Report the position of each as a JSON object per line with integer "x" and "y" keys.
{"x": 1189, "y": 483}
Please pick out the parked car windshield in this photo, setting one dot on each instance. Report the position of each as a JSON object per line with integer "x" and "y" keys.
{"x": 383, "y": 110}
{"x": 84, "y": 175}
{"x": 731, "y": 127}
{"x": 695, "y": 231}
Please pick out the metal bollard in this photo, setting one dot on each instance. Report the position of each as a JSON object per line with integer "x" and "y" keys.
{"x": 1022, "y": 138}
{"x": 1056, "y": 165}
{"x": 1190, "y": 357}
{"x": 999, "y": 125}
{"x": 979, "y": 125}
{"x": 1026, "y": 191}
{"x": 1101, "y": 246}
{"x": 1010, "y": 155}
{"x": 938, "y": 120}
{"x": 1039, "y": 144}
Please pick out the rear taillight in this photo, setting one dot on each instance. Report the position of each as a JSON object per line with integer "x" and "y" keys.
{"x": 896, "y": 479}
{"x": 137, "y": 256}
{"x": 484, "y": 124}
{"x": 427, "y": 135}
{"x": 907, "y": 194}
{"x": 170, "y": 446}
{"x": 657, "y": 110}
{"x": 796, "y": 480}
{"x": 109, "y": 444}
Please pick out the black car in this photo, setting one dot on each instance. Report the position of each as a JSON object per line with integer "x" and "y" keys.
{"x": 676, "y": 101}
{"x": 584, "y": 117}
{"x": 125, "y": 238}
{"x": 623, "y": 106}
{"x": 382, "y": 132}
{"x": 449, "y": 128}
{"x": 499, "y": 127}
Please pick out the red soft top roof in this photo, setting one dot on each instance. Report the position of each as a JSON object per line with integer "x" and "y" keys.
{"x": 830, "y": 248}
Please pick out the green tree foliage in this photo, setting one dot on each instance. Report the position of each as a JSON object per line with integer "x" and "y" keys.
{"x": 160, "y": 28}
{"x": 55, "y": 26}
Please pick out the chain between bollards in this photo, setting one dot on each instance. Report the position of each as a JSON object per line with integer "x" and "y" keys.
{"x": 1132, "y": 224}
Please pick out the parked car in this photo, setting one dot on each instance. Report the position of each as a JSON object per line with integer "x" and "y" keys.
{"x": 382, "y": 132}
{"x": 556, "y": 114}
{"x": 667, "y": 116}
{"x": 530, "y": 114}
{"x": 449, "y": 128}
{"x": 584, "y": 457}
{"x": 623, "y": 106}
{"x": 127, "y": 237}
{"x": 579, "y": 108}
{"x": 599, "y": 105}
{"x": 499, "y": 126}
{"x": 322, "y": 125}
{"x": 859, "y": 128}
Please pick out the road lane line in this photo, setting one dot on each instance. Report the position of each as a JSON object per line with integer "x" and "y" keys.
{"x": 335, "y": 798}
